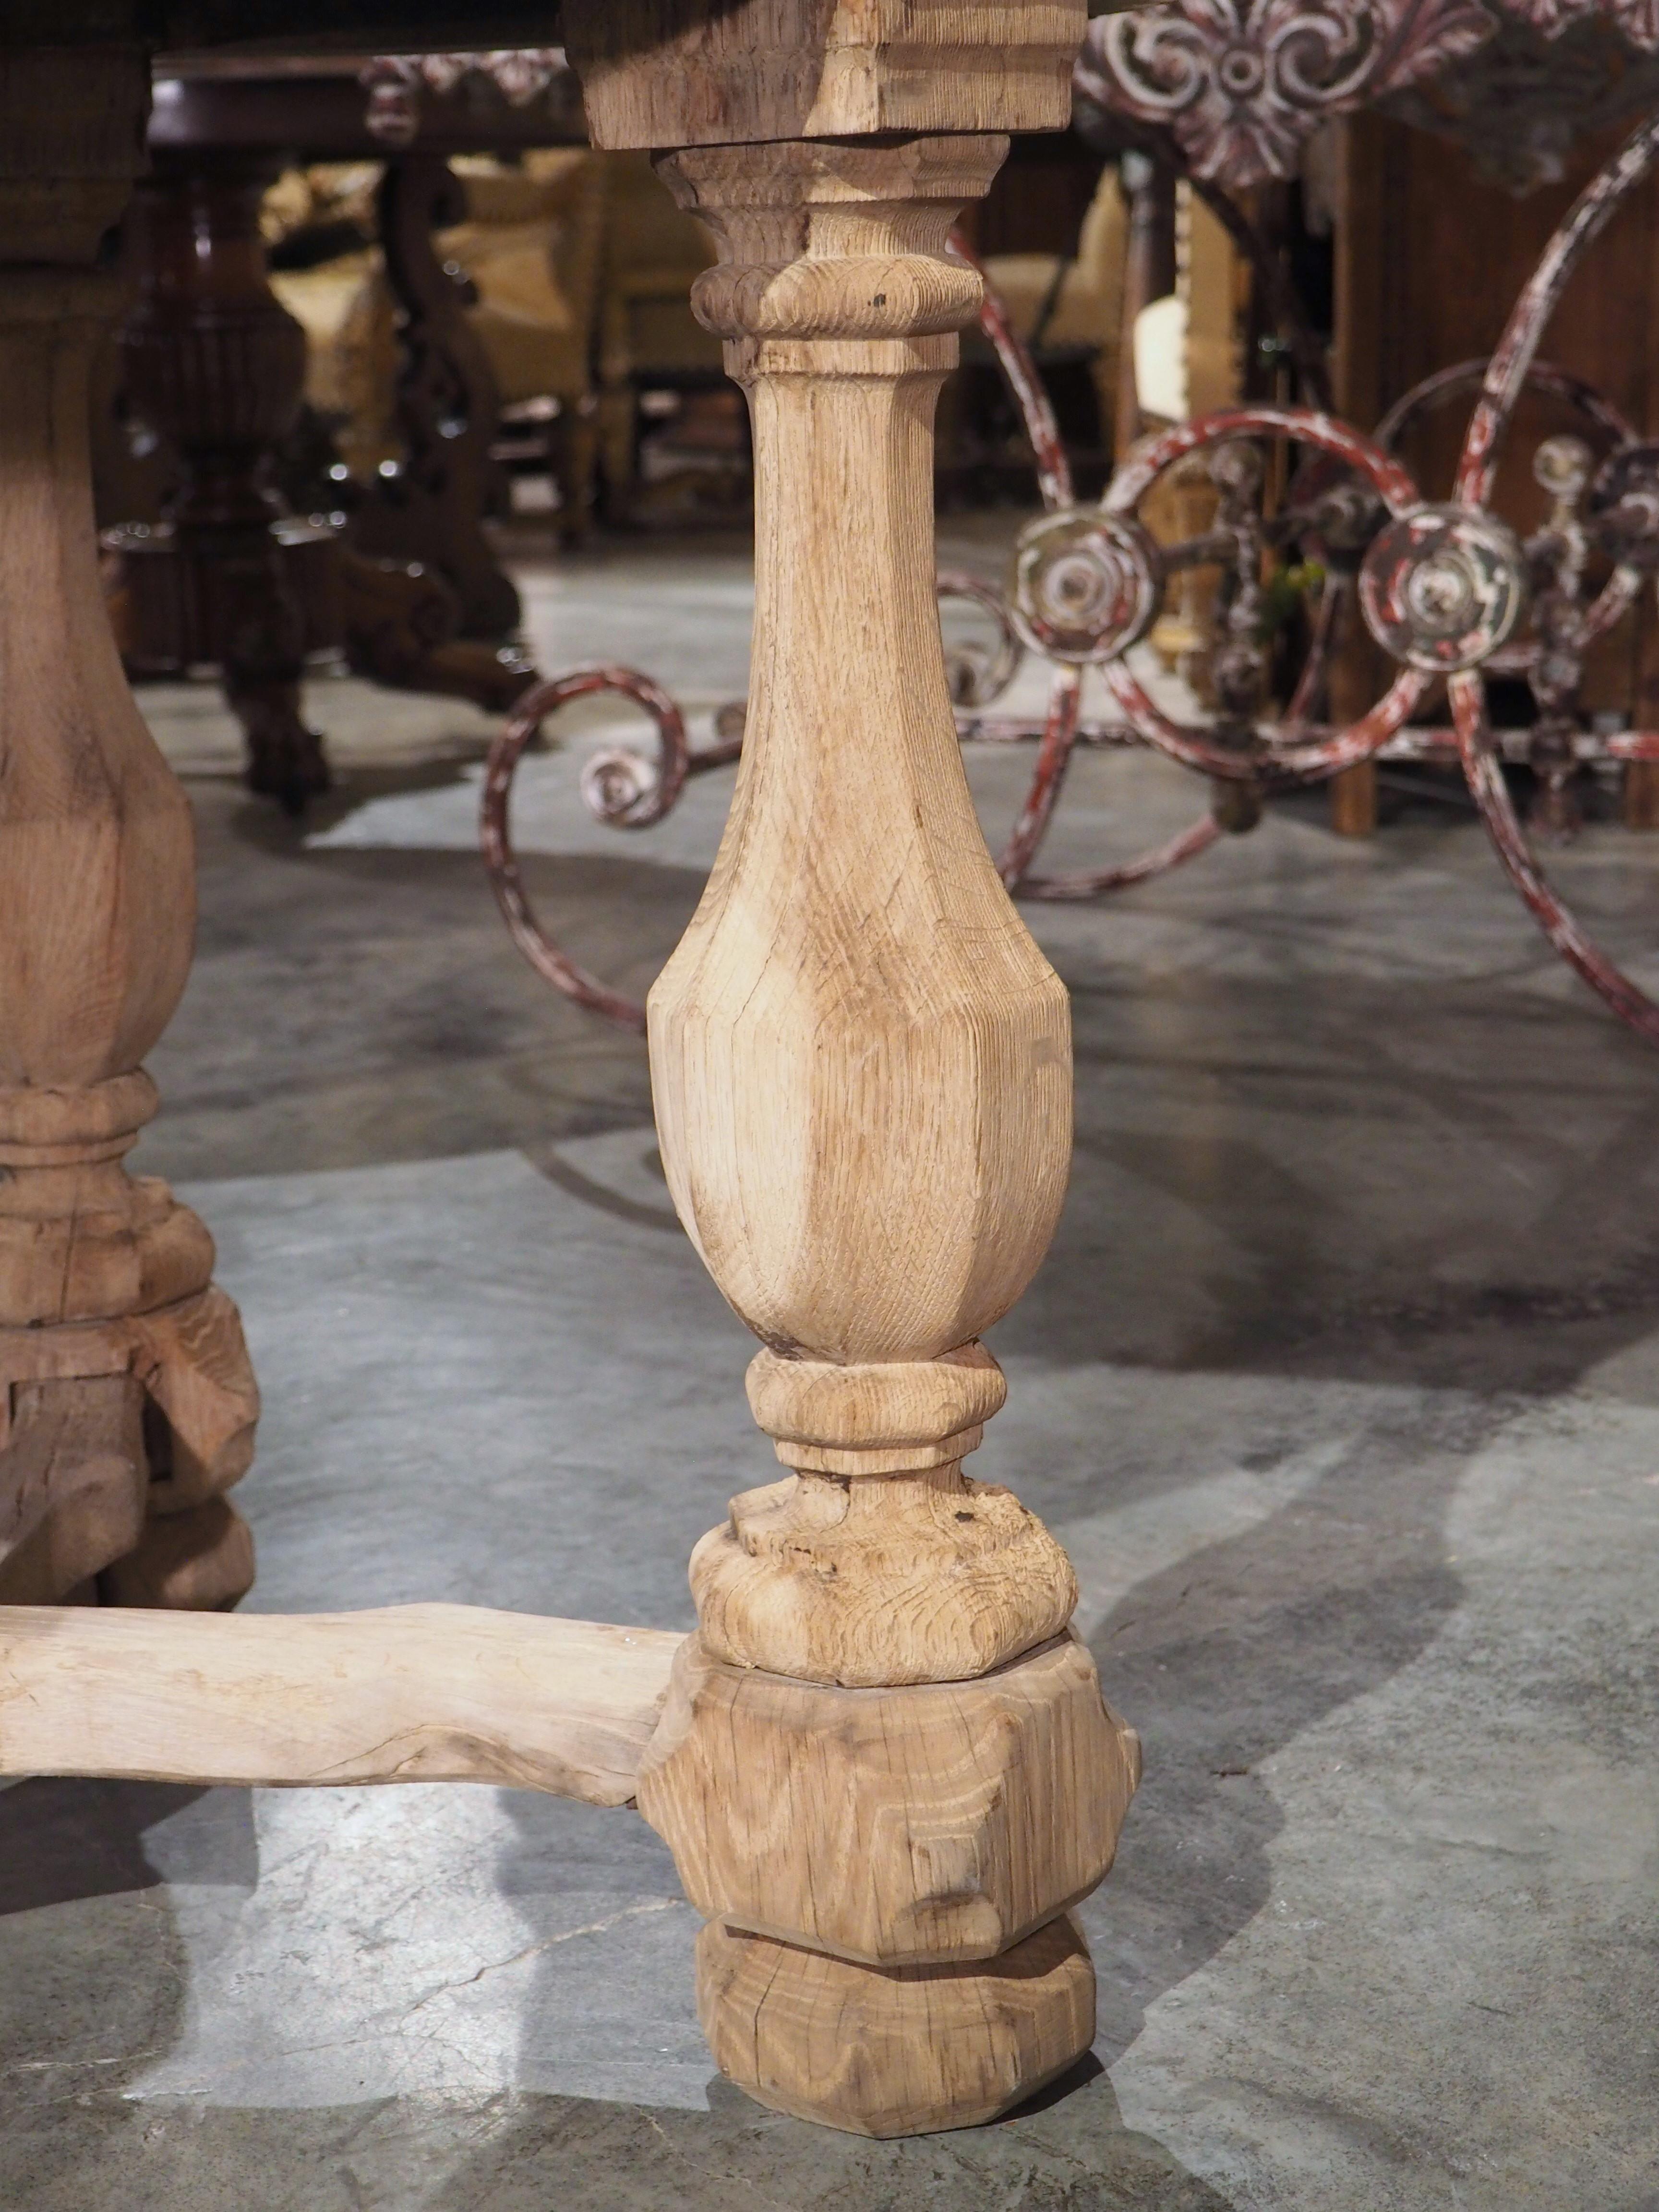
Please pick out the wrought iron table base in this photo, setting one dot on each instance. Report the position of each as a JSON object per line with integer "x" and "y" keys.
{"x": 1444, "y": 588}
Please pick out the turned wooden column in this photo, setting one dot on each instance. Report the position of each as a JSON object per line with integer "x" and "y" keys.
{"x": 431, "y": 506}
{"x": 126, "y": 1401}
{"x": 885, "y": 1770}
{"x": 217, "y": 364}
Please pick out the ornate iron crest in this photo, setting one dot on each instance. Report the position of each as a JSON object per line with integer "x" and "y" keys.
{"x": 1240, "y": 84}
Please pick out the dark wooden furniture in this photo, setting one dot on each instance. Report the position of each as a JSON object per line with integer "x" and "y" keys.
{"x": 409, "y": 588}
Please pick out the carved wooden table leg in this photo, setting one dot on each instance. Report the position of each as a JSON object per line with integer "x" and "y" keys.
{"x": 126, "y": 1401}
{"x": 886, "y": 1768}
{"x": 216, "y": 363}
{"x": 432, "y": 509}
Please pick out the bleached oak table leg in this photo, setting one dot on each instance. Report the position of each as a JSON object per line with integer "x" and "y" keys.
{"x": 127, "y": 1403}
{"x": 886, "y": 1768}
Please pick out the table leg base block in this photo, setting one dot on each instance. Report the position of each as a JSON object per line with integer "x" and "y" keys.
{"x": 903, "y": 2050}
{"x": 117, "y": 1438}
{"x": 73, "y": 1484}
{"x": 199, "y": 1561}
{"x": 959, "y": 1816}
{"x": 126, "y": 1246}
{"x": 194, "y": 1362}
{"x": 202, "y": 1400}
{"x": 874, "y": 1584}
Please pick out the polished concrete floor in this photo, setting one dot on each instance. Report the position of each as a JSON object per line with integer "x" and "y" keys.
{"x": 1341, "y": 1384}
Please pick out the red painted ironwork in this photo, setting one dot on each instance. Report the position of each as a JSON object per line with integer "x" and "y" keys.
{"x": 1638, "y": 20}
{"x": 1186, "y": 845}
{"x": 1060, "y": 730}
{"x": 1024, "y": 380}
{"x": 1279, "y": 754}
{"x": 1465, "y": 534}
{"x": 1441, "y": 588}
{"x": 1618, "y": 592}
{"x": 1294, "y": 749}
{"x": 1241, "y": 85}
{"x": 976, "y": 679}
{"x": 1542, "y": 376}
{"x": 1483, "y": 768}
{"x": 1505, "y": 378}
{"x": 620, "y": 787}
{"x": 1060, "y": 736}
{"x": 396, "y": 82}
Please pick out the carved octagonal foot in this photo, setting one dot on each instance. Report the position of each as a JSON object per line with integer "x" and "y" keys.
{"x": 127, "y": 1403}
{"x": 903, "y": 2050}
{"x": 938, "y": 1823}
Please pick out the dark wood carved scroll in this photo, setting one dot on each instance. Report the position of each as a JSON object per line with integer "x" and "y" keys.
{"x": 215, "y": 364}
{"x": 429, "y": 505}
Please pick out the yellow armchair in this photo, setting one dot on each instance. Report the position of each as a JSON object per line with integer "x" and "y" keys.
{"x": 1052, "y": 301}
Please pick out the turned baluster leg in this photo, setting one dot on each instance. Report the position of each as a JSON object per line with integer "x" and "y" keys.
{"x": 126, "y": 1402}
{"x": 217, "y": 364}
{"x": 885, "y": 1769}
{"x": 1149, "y": 273}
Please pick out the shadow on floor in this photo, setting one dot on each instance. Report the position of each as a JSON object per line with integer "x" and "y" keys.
{"x": 63, "y": 1840}
{"x": 534, "y": 2153}
{"x": 1074, "y": 2154}
{"x": 1231, "y": 1655}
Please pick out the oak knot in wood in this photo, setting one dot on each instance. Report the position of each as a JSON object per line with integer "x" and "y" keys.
{"x": 898, "y": 1826}
{"x": 894, "y": 1417}
{"x": 903, "y": 2051}
{"x": 870, "y": 1583}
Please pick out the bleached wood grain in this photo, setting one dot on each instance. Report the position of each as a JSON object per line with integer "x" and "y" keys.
{"x": 403, "y": 1693}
